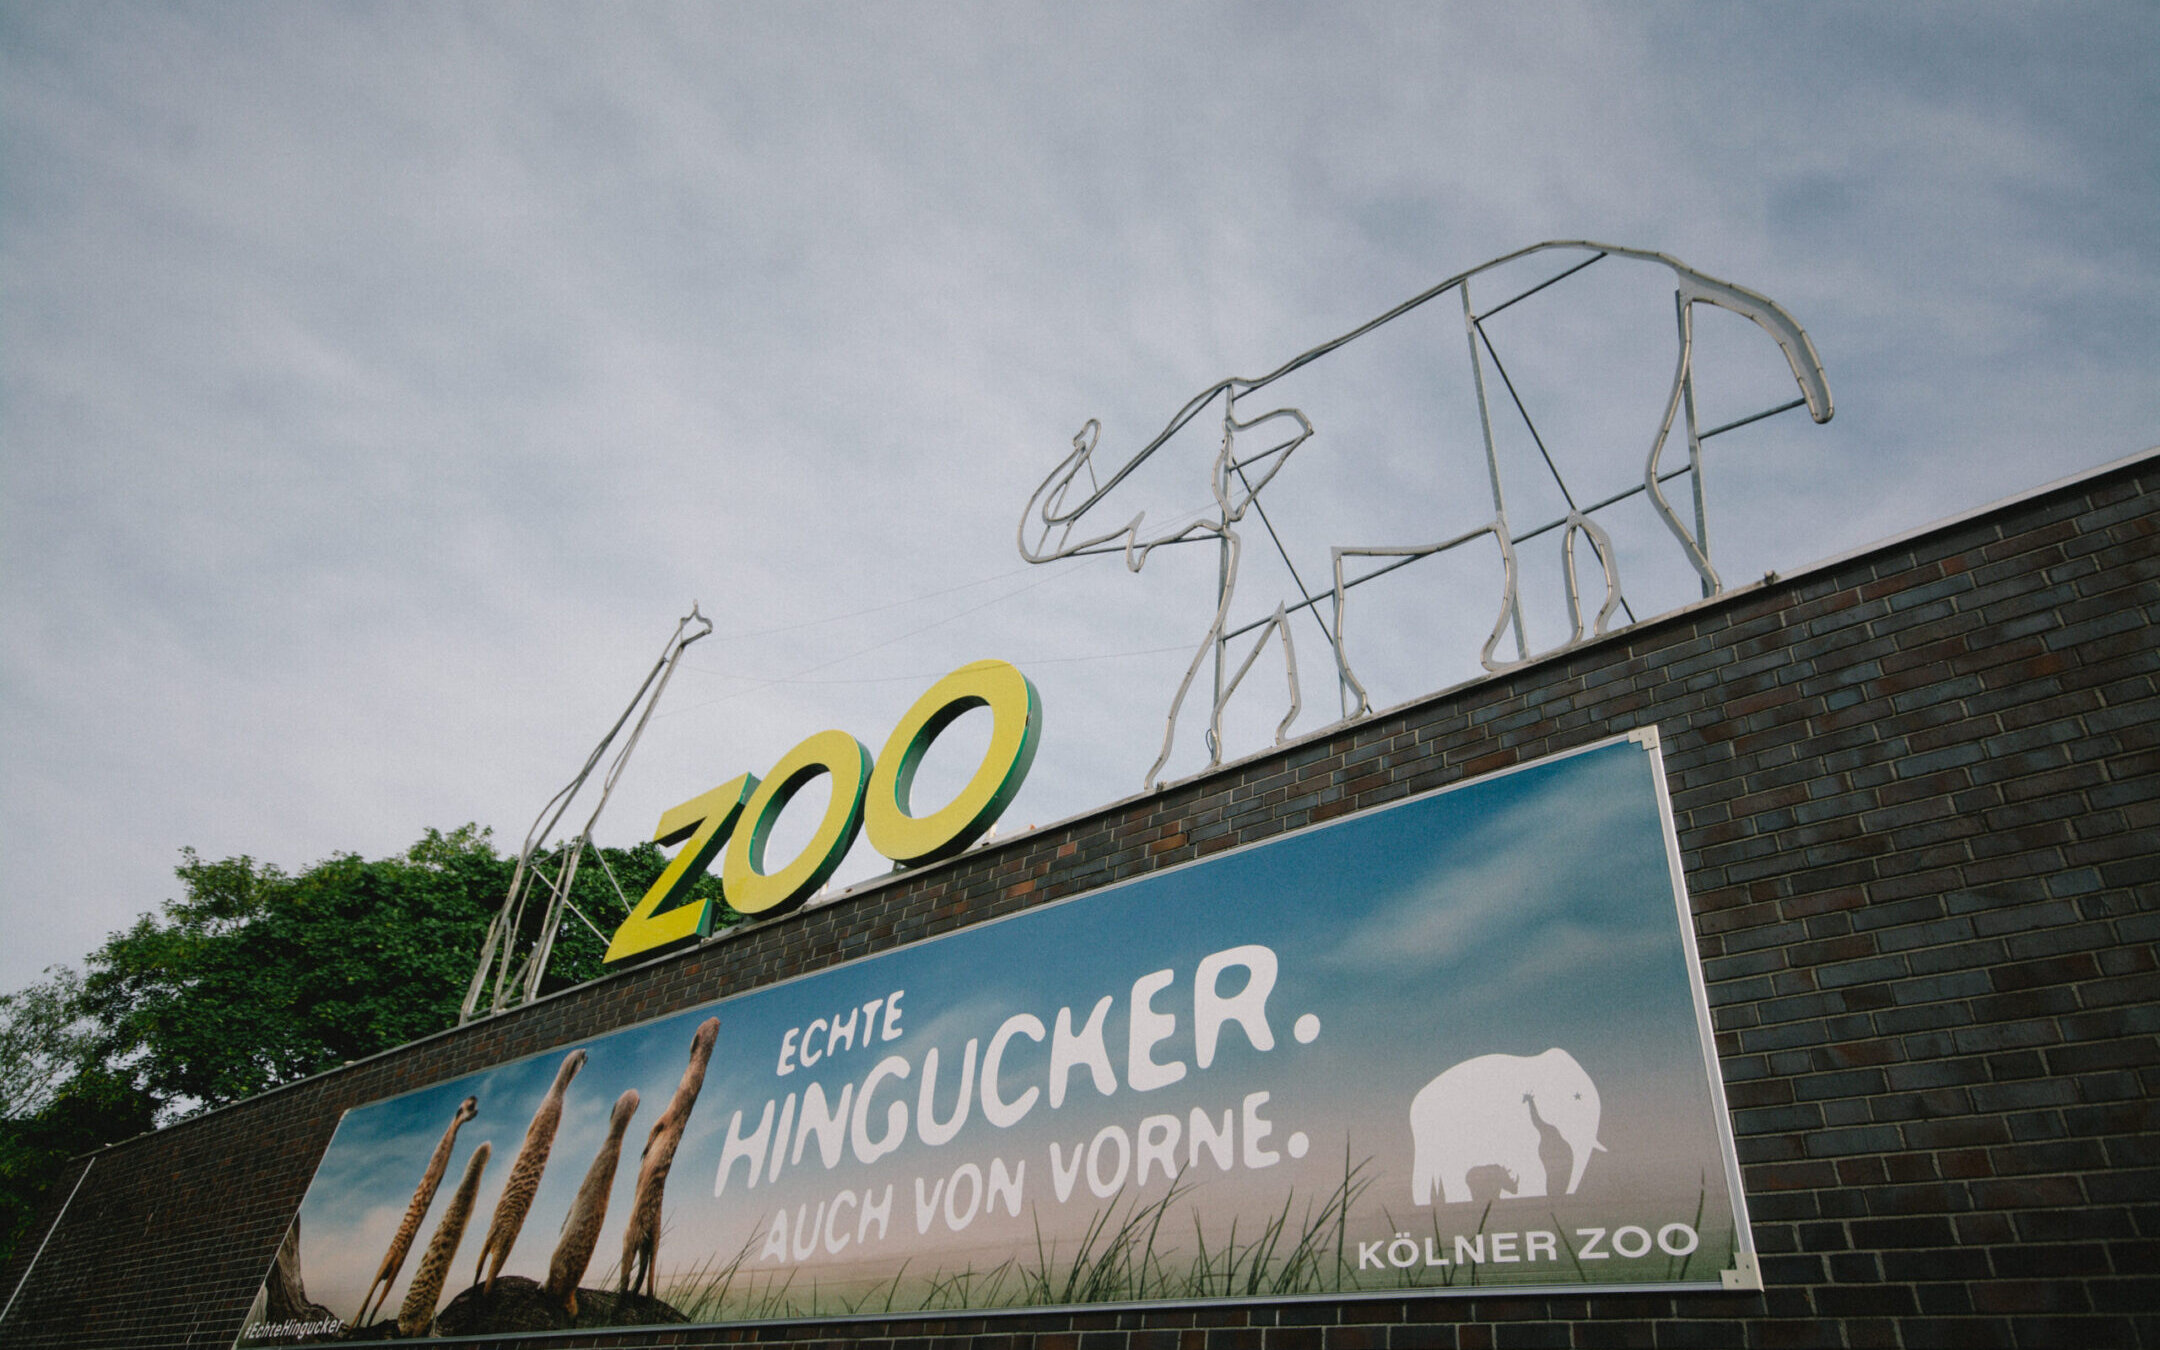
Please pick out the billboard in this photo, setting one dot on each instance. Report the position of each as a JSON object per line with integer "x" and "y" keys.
{"x": 1456, "y": 1044}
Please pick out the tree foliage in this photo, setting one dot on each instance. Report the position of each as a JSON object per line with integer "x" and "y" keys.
{"x": 255, "y": 977}
{"x": 42, "y": 1038}
{"x": 89, "y": 1108}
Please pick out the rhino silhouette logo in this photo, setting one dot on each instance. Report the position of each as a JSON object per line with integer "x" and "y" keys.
{"x": 1505, "y": 1111}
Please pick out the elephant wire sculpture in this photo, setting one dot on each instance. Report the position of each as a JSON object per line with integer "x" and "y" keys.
{"x": 1237, "y": 476}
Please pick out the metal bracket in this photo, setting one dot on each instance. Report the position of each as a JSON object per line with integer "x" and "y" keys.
{"x": 1745, "y": 1274}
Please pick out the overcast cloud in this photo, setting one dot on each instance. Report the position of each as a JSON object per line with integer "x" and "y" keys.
{"x": 379, "y": 382}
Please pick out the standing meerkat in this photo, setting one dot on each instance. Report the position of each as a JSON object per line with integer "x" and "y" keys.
{"x": 423, "y": 1195}
{"x": 641, "y": 1235}
{"x": 524, "y": 1179}
{"x": 581, "y": 1226}
{"x": 418, "y": 1313}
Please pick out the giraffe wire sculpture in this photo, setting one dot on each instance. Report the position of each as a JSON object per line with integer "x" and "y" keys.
{"x": 511, "y": 964}
{"x": 1236, "y": 480}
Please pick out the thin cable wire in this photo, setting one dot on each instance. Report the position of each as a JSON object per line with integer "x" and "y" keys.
{"x": 796, "y": 677}
{"x": 1543, "y": 453}
{"x": 874, "y": 609}
{"x": 1023, "y": 662}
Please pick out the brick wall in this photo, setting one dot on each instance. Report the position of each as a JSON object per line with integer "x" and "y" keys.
{"x": 1919, "y": 811}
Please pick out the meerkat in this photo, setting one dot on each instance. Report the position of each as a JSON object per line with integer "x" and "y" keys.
{"x": 641, "y": 1235}
{"x": 418, "y": 1313}
{"x": 581, "y": 1226}
{"x": 423, "y": 1195}
{"x": 524, "y": 1179}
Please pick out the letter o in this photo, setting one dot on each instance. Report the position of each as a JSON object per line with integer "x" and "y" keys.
{"x": 1016, "y": 710}
{"x": 1673, "y": 1247}
{"x": 748, "y": 887}
{"x": 1641, "y": 1241}
{"x": 955, "y": 1219}
{"x": 1108, "y": 1134}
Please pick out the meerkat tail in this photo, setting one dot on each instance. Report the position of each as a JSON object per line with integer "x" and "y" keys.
{"x": 418, "y": 1312}
{"x": 640, "y": 1246}
{"x": 635, "y": 1245}
{"x": 588, "y": 1213}
{"x": 524, "y": 1180}
{"x": 423, "y": 1195}
{"x": 641, "y": 1236}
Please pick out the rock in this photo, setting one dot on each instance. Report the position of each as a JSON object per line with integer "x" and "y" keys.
{"x": 286, "y": 1305}
{"x": 515, "y": 1304}
{"x": 519, "y": 1304}
{"x": 605, "y": 1308}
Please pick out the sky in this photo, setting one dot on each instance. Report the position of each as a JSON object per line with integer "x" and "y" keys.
{"x": 380, "y": 383}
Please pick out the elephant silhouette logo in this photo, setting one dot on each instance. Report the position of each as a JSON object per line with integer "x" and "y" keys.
{"x": 1512, "y": 1112}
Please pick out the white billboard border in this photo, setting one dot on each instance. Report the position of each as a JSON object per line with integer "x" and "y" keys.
{"x": 1745, "y": 1275}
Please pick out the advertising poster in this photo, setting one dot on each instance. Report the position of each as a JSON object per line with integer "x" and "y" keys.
{"x": 1457, "y": 1044}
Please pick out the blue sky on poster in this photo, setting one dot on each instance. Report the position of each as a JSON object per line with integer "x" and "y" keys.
{"x": 378, "y": 382}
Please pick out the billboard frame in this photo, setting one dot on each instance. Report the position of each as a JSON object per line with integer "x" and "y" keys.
{"x": 1744, "y": 1273}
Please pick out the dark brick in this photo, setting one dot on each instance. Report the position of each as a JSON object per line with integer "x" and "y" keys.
{"x": 1919, "y": 802}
